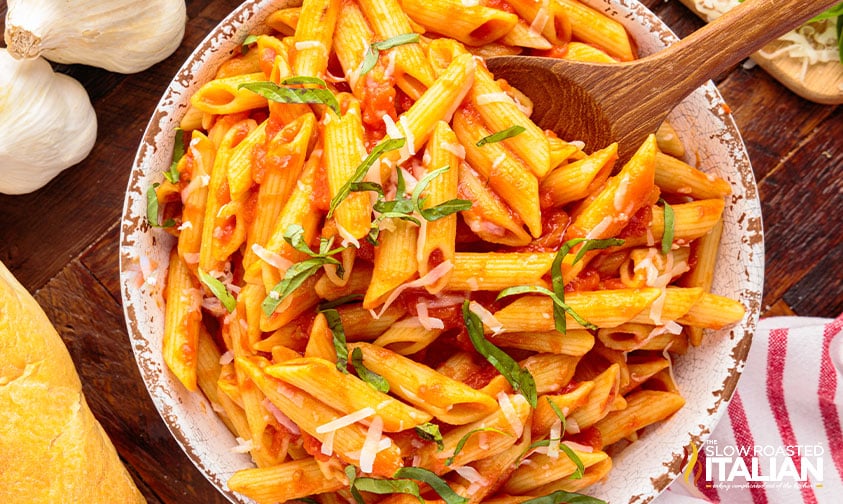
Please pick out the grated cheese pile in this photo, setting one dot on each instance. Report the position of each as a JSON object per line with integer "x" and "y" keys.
{"x": 811, "y": 43}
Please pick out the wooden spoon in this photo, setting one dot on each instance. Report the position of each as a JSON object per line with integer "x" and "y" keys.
{"x": 600, "y": 103}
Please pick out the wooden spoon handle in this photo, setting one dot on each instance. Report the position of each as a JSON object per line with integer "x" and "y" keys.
{"x": 727, "y": 40}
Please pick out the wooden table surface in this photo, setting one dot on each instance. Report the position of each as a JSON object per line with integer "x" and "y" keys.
{"x": 61, "y": 241}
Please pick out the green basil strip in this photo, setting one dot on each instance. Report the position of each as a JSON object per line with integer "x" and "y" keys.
{"x": 501, "y": 135}
{"x": 578, "y": 474}
{"x": 559, "y": 414}
{"x": 218, "y": 290}
{"x": 558, "y": 280}
{"x": 560, "y": 308}
{"x": 840, "y": 36}
{"x": 152, "y": 209}
{"x": 361, "y": 170}
{"x": 178, "y": 152}
{"x": 388, "y": 486}
{"x": 294, "y": 235}
{"x": 375, "y": 380}
{"x": 561, "y": 496}
{"x": 520, "y": 379}
{"x": 445, "y": 209}
{"x": 396, "y": 208}
{"x": 667, "y": 235}
{"x": 593, "y": 244}
{"x": 833, "y": 12}
{"x": 404, "y": 38}
{"x": 304, "y": 79}
{"x": 368, "y": 186}
{"x": 296, "y": 274}
{"x": 399, "y": 215}
{"x": 463, "y": 440}
{"x": 332, "y": 316}
{"x": 370, "y": 59}
{"x": 293, "y": 279}
{"x": 244, "y": 47}
{"x": 283, "y": 94}
{"x": 441, "y": 210}
{"x": 433, "y": 481}
{"x": 350, "y": 298}
{"x": 306, "y": 500}
{"x": 430, "y": 432}
{"x": 351, "y": 473}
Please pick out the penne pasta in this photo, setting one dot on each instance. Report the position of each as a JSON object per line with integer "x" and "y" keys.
{"x": 472, "y": 24}
{"x": 384, "y": 269}
{"x": 449, "y": 400}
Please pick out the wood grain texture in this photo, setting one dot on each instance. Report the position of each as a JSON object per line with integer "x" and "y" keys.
{"x": 62, "y": 241}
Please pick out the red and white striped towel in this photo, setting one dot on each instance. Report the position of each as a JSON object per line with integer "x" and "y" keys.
{"x": 780, "y": 440}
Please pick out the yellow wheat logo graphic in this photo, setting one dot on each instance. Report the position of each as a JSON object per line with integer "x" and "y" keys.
{"x": 692, "y": 461}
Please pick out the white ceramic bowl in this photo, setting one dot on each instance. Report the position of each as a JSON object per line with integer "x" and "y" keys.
{"x": 707, "y": 376}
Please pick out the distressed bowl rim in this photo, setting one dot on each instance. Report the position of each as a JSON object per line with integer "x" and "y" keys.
{"x": 203, "y": 437}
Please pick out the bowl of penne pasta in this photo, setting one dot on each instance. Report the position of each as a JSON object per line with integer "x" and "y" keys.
{"x": 353, "y": 268}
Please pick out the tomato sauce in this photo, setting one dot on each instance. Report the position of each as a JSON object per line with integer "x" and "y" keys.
{"x": 321, "y": 196}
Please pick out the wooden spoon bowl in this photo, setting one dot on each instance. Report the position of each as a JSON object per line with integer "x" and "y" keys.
{"x": 599, "y": 103}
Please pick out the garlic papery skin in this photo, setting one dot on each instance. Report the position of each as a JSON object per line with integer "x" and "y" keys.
{"x": 47, "y": 123}
{"x": 124, "y": 36}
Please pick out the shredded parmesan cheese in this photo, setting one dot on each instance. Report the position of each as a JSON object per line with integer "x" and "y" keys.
{"x": 486, "y": 317}
{"x": 283, "y": 419}
{"x": 410, "y": 144}
{"x": 601, "y": 226}
{"x": 371, "y": 444}
{"x": 243, "y": 445}
{"x": 345, "y": 421}
{"x": 227, "y": 358}
{"x": 271, "y": 258}
{"x": 508, "y": 410}
{"x": 498, "y": 161}
{"x": 571, "y": 425}
{"x": 428, "y": 279}
{"x": 555, "y": 438}
{"x": 456, "y": 149}
{"x": 327, "y": 447}
{"x": 309, "y": 44}
{"x": 499, "y": 97}
{"x": 426, "y": 321}
{"x": 195, "y": 183}
{"x": 541, "y": 19}
{"x": 579, "y": 447}
{"x": 811, "y": 43}
{"x": 666, "y": 355}
{"x": 476, "y": 480}
{"x": 347, "y": 238}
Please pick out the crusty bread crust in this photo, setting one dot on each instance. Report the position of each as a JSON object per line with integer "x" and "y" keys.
{"x": 52, "y": 448}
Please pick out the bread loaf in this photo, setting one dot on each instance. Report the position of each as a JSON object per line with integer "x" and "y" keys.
{"x": 52, "y": 448}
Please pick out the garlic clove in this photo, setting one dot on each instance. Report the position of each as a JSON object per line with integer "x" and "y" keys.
{"x": 47, "y": 123}
{"x": 124, "y": 36}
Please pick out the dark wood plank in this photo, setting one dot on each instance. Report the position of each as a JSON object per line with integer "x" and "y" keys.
{"x": 820, "y": 291}
{"x": 801, "y": 201}
{"x": 95, "y": 335}
{"x": 779, "y": 309}
{"x": 102, "y": 261}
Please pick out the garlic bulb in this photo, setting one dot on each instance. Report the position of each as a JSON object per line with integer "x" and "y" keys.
{"x": 47, "y": 123}
{"x": 124, "y": 36}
